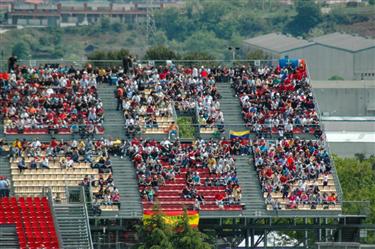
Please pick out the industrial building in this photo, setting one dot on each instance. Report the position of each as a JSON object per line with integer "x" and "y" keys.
{"x": 337, "y": 54}
{"x": 72, "y": 13}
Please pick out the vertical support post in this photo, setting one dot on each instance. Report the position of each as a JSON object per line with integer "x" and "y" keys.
{"x": 265, "y": 239}
{"x": 325, "y": 231}
{"x": 247, "y": 238}
{"x": 252, "y": 239}
{"x": 319, "y": 234}
{"x": 305, "y": 241}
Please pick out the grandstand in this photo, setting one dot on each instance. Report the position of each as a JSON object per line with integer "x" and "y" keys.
{"x": 85, "y": 175}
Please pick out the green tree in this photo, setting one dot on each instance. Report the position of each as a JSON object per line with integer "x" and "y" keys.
{"x": 155, "y": 234}
{"x": 159, "y": 38}
{"x": 190, "y": 238}
{"x": 357, "y": 180}
{"x": 105, "y": 24}
{"x": 371, "y": 2}
{"x": 205, "y": 41}
{"x": 308, "y": 16}
{"x": 336, "y": 77}
{"x": 257, "y": 55}
{"x": 160, "y": 52}
{"x": 198, "y": 56}
{"x": 108, "y": 55}
{"x": 21, "y": 50}
{"x": 117, "y": 27}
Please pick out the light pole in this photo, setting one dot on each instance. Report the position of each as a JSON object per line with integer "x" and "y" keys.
{"x": 233, "y": 49}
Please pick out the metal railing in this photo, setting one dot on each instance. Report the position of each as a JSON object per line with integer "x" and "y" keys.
{"x": 48, "y": 192}
{"x": 83, "y": 196}
{"x": 117, "y": 63}
{"x": 356, "y": 207}
{"x": 324, "y": 141}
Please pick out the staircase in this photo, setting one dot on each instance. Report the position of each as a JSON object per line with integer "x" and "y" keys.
{"x": 113, "y": 120}
{"x": 8, "y": 237}
{"x": 230, "y": 106}
{"x": 72, "y": 225}
{"x": 127, "y": 184}
{"x": 249, "y": 182}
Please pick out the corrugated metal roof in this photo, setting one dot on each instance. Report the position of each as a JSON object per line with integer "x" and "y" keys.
{"x": 277, "y": 42}
{"x": 345, "y": 41}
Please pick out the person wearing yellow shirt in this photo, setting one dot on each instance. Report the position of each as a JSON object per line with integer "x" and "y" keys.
{"x": 211, "y": 163}
{"x": 102, "y": 73}
{"x": 16, "y": 148}
{"x": 17, "y": 144}
{"x": 81, "y": 145}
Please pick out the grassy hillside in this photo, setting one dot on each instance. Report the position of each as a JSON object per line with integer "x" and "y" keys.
{"x": 70, "y": 43}
{"x": 202, "y": 26}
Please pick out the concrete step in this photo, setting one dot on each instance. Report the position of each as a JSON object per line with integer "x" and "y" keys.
{"x": 230, "y": 106}
{"x": 251, "y": 193}
{"x": 72, "y": 225}
{"x": 127, "y": 184}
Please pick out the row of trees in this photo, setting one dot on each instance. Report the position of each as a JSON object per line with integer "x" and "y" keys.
{"x": 357, "y": 178}
{"x": 161, "y": 52}
{"x": 199, "y": 26}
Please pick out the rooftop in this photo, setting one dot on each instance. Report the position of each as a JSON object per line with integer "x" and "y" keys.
{"x": 278, "y": 42}
{"x": 345, "y": 41}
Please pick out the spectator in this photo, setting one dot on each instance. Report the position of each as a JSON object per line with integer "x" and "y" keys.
{"x": 22, "y": 165}
{"x": 4, "y": 187}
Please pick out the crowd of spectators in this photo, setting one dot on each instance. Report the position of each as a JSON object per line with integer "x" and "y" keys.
{"x": 292, "y": 167}
{"x": 51, "y": 99}
{"x": 36, "y": 155}
{"x": 276, "y": 100}
{"x": 159, "y": 163}
{"x": 151, "y": 91}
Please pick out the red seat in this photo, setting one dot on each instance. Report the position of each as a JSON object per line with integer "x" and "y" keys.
{"x": 34, "y": 222}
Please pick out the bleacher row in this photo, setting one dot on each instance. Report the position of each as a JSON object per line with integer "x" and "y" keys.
{"x": 185, "y": 177}
{"x": 277, "y": 101}
{"x": 157, "y": 120}
{"x": 44, "y": 100}
{"x": 145, "y": 96}
{"x": 33, "y": 219}
{"x": 169, "y": 196}
{"x": 30, "y": 182}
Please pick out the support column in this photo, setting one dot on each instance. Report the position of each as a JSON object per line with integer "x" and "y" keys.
{"x": 252, "y": 238}
{"x": 325, "y": 231}
{"x": 247, "y": 238}
{"x": 305, "y": 241}
{"x": 265, "y": 239}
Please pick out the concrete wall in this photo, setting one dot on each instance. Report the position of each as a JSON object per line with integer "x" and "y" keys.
{"x": 348, "y": 149}
{"x": 325, "y": 62}
{"x": 342, "y": 99}
{"x": 343, "y": 102}
{"x": 364, "y": 63}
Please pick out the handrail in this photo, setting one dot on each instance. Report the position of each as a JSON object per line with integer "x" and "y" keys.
{"x": 62, "y": 60}
{"x": 52, "y": 205}
{"x": 196, "y": 109}
{"x": 83, "y": 193}
{"x": 174, "y": 114}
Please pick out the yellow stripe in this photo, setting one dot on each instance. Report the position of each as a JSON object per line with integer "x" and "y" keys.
{"x": 239, "y": 133}
{"x": 174, "y": 220}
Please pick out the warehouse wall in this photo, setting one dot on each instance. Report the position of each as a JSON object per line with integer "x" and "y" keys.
{"x": 345, "y": 102}
{"x": 325, "y": 62}
{"x": 348, "y": 149}
{"x": 364, "y": 64}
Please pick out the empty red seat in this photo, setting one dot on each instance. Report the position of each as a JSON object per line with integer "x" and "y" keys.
{"x": 33, "y": 220}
